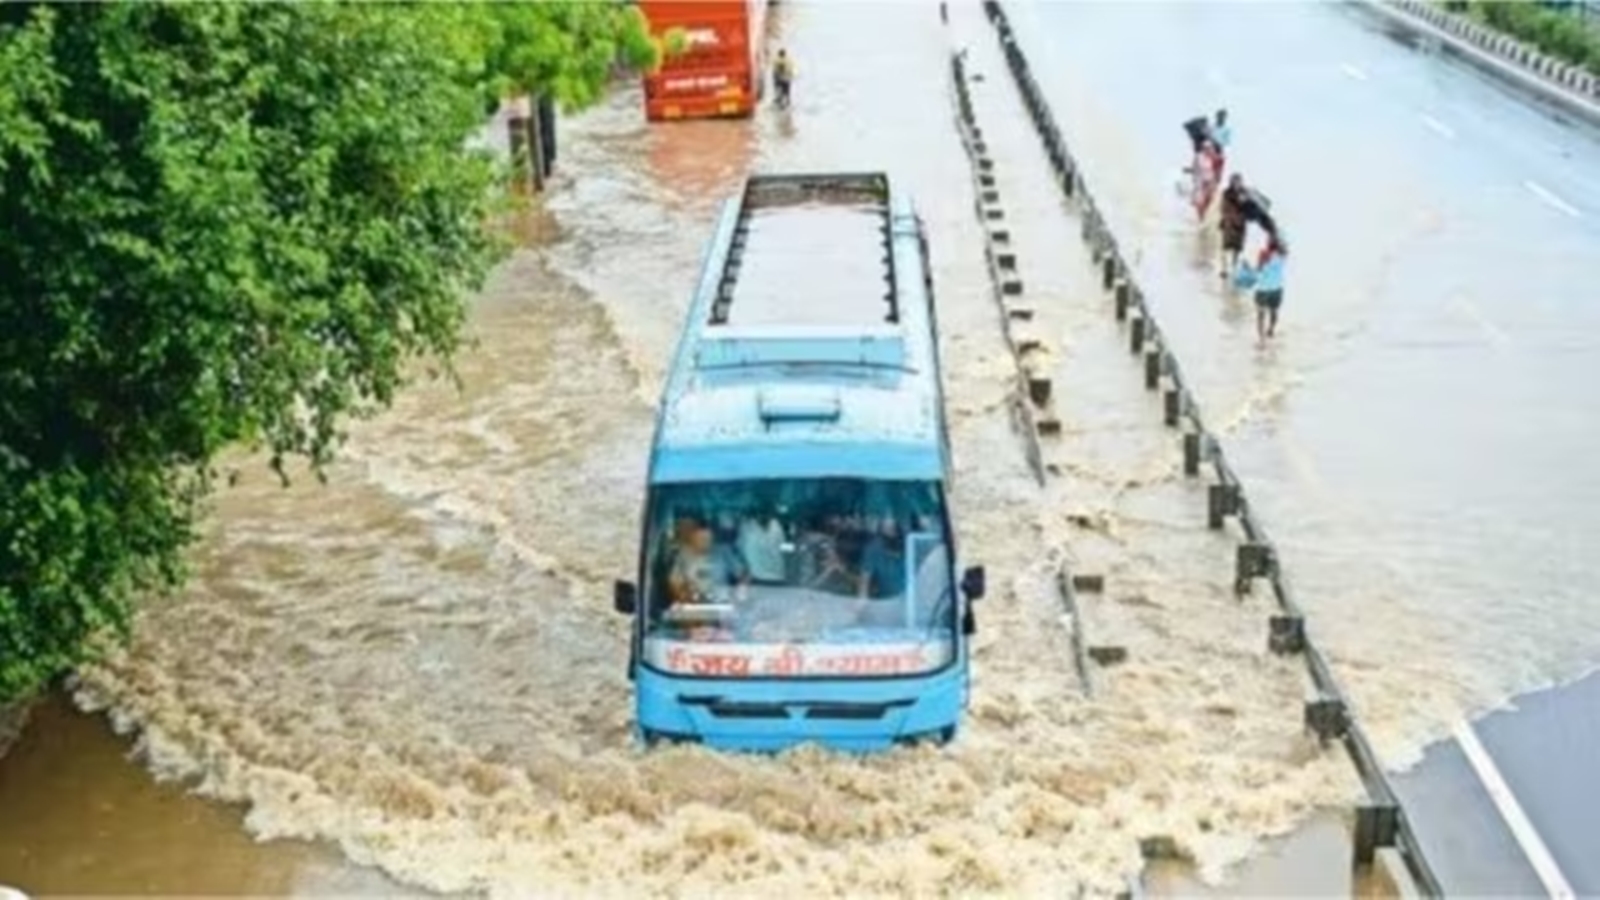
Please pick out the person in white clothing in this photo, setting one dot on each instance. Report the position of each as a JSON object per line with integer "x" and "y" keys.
{"x": 761, "y": 541}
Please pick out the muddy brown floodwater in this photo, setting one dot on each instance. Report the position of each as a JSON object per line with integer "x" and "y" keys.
{"x": 76, "y": 816}
{"x": 417, "y": 663}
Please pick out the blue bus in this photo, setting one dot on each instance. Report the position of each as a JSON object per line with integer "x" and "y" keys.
{"x": 797, "y": 573}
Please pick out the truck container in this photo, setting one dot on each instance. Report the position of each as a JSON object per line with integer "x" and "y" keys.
{"x": 720, "y": 72}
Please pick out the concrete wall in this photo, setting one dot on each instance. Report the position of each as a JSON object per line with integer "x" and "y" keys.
{"x": 1567, "y": 86}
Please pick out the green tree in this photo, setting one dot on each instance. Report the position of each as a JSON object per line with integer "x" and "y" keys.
{"x": 566, "y": 50}
{"x": 228, "y": 223}
{"x": 1560, "y": 32}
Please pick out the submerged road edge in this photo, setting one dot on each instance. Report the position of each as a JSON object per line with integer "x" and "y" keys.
{"x": 1380, "y": 822}
{"x": 1511, "y": 812}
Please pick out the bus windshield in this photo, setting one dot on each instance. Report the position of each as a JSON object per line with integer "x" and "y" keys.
{"x": 829, "y": 577}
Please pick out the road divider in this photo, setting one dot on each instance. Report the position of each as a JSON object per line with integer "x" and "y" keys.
{"x": 1033, "y": 398}
{"x": 1380, "y": 823}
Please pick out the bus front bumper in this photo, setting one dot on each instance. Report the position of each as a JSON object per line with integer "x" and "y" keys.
{"x": 772, "y": 715}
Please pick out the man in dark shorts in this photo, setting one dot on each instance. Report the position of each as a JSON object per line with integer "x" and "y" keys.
{"x": 783, "y": 77}
{"x": 1233, "y": 223}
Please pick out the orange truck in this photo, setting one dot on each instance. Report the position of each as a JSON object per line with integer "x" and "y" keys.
{"x": 720, "y": 69}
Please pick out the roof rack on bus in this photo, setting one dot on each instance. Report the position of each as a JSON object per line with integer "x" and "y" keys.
{"x": 795, "y": 241}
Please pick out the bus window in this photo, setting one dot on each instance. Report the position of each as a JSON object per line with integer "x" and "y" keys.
{"x": 771, "y": 563}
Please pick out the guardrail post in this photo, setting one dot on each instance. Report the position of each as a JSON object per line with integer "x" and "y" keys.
{"x": 1106, "y": 655}
{"x": 1222, "y": 500}
{"x": 1252, "y": 560}
{"x": 1328, "y": 718}
{"x": 1286, "y": 634}
{"x": 1152, "y": 365}
{"x": 1377, "y": 825}
{"x": 1122, "y": 300}
{"x": 1172, "y": 412}
{"x": 1108, "y": 273}
{"x": 1039, "y": 390}
{"x": 1136, "y": 334}
{"x": 1191, "y": 454}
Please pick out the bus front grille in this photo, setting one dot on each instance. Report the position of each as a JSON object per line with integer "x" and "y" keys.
{"x": 733, "y": 709}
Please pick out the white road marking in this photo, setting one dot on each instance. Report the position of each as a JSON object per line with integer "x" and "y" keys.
{"x": 1354, "y": 72}
{"x": 1511, "y": 811}
{"x": 1444, "y": 130}
{"x": 1550, "y": 199}
{"x": 1490, "y": 330}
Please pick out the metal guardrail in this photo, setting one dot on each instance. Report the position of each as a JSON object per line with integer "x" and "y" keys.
{"x": 1032, "y": 401}
{"x": 1034, "y": 398}
{"x": 1380, "y": 822}
{"x": 1568, "y": 88}
{"x": 1558, "y": 72}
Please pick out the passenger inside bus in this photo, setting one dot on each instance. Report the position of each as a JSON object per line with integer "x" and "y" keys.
{"x": 760, "y": 544}
{"x": 834, "y": 572}
{"x": 885, "y": 561}
{"x": 703, "y": 569}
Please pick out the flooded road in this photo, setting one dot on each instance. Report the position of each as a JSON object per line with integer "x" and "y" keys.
{"x": 1421, "y": 438}
{"x": 76, "y": 816}
{"x": 418, "y": 662}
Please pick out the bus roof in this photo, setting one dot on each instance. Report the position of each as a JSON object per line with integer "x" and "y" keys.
{"x": 810, "y": 348}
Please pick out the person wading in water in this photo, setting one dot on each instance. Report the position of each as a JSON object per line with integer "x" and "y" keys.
{"x": 1233, "y": 223}
{"x": 782, "y": 77}
{"x": 1269, "y": 286}
{"x": 1207, "y": 176}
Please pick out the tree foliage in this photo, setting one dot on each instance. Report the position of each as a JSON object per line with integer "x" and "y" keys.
{"x": 568, "y": 50}
{"x": 1561, "y": 32}
{"x": 228, "y": 223}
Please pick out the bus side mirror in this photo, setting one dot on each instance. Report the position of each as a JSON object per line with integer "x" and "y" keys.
{"x": 624, "y": 597}
{"x": 972, "y": 582}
